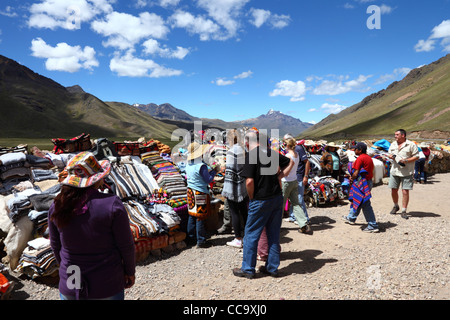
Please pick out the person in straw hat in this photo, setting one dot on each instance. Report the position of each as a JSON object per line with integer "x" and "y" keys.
{"x": 420, "y": 174}
{"x": 90, "y": 234}
{"x": 330, "y": 161}
{"x": 198, "y": 196}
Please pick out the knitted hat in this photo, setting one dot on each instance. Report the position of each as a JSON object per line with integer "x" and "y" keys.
{"x": 84, "y": 170}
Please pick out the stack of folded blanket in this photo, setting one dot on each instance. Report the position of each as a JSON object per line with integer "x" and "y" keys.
{"x": 37, "y": 259}
{"x": 167, "y": 175}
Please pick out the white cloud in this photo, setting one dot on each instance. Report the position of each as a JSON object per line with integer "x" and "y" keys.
{"x": 129, "y": 66}
{"x": 332, "y": 108}
{"x": 312, "y": 110}
{"x": 385, "y": 9}
{"x": 287, "y": 88}
{"x": 399, "y": 72}
{"x": 205, "y": 28}
{"x": 225, "y": 13}
{"x": 9, "y": 12}
{"x": 53, "y": 14}
{"x": 244, "y": 75}
{"x": 222, "y": 82}
{"x": 152, "y": 47}
{"x": 441, "y": 31}
{"x": 168, "y": 3}
{"x": 124, "y": 30}
{"x": 261, "y": 16}
{"x": 425, "y": 45}
{"x": 64, "y": 57}
{"x": 329, "y": 87}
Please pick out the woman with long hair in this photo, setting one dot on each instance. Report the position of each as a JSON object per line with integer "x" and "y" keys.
{"x": 90, "y": 234}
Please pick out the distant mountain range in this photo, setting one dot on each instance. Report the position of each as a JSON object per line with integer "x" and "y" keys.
{"x": 271, "y": 120}
{"x": 33, "y": 106}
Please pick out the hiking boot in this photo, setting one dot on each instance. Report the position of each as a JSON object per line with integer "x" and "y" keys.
{"x": 206, "y": 244}
{"x": 263, "y": 269}
{"x": 347, "y": 220}
{"x": 306, "y": 229}
{"x": 371, "y": 230}
{"x": 405, "y": 216}
{"x": 395, "y": 209}
{"x": 239, "y": 273}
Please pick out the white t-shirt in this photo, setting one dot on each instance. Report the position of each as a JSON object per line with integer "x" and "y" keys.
{"x": 293, "y": 173}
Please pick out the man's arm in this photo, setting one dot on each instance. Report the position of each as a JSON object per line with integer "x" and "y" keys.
{"x": 307, "y": 168}
{"x": 250, "y": 185}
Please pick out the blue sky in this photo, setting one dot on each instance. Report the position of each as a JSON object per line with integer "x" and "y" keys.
{"x": 227, "y": 59}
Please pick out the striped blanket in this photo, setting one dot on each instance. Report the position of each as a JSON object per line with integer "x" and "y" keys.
{"x": 360, "y": 191}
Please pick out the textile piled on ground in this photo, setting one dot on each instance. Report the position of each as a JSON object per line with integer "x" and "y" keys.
{"x": 322, "y": 190}
{"x": 38, "y": 259}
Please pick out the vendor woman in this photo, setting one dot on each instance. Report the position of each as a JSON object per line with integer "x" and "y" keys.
{"x": 330, "y": 162}
{"x": 198, "y": 196}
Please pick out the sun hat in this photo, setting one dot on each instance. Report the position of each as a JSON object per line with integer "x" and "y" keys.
{"x": 332, "y": 144}
{"x": 424, "y": 145}
{"x": 84, "y": 170}
{"x": 196, "y": 150}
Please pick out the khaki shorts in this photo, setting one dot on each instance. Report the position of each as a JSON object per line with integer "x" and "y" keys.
{"x": 406, "y": 182}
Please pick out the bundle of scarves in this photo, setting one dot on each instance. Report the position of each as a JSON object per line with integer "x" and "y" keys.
{"x": 359, "y": 191}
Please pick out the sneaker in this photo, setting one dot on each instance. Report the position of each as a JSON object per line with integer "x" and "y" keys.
{"x": 395, "y": 209}
{"x": 371, "y": 230}
{"x": 347, "y": 220}
{"x": 239, "y": 273}
{"x": 288, "y": 219}
{"x": 236, "y": 243}
{"x": 405, "y": 216}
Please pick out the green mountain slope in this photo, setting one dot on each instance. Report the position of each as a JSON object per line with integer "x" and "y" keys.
{"x": 418, "y": 103}
{"x": 33, "y": 106}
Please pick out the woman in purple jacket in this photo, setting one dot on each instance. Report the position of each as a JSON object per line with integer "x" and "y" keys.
{"x": 90, "y": 234}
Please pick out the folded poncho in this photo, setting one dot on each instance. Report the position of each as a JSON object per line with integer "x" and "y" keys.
{"x": 360, "y": 191}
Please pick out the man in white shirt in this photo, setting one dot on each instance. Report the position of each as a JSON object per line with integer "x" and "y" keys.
{"x": 404, "y": 154}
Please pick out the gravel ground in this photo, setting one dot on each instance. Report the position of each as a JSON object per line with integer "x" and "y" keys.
{"x": 407, "y": 260}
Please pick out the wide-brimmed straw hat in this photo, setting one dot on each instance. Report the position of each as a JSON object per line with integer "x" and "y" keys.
{"x": 196, "y": 150}
{"x": 424, "y": 145}
{"x": 332, "y": 145}
{"x": 84, "y": 170}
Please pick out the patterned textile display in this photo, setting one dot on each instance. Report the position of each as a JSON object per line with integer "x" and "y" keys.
{"x": 199, "y": 205}
{"x": 323, "y": 190}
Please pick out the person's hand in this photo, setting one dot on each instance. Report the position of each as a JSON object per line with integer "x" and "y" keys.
{"x": 305, "y": 181}
{"x": 129, "y": 281}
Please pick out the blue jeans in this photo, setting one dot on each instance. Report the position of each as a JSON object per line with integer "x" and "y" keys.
{"x": 367, "y": 210}
{"x": 196, "y": 230}
{"x": 118, "y": 296}
{"x": 263, "y": 213}
{"x": 419, "y": 171}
